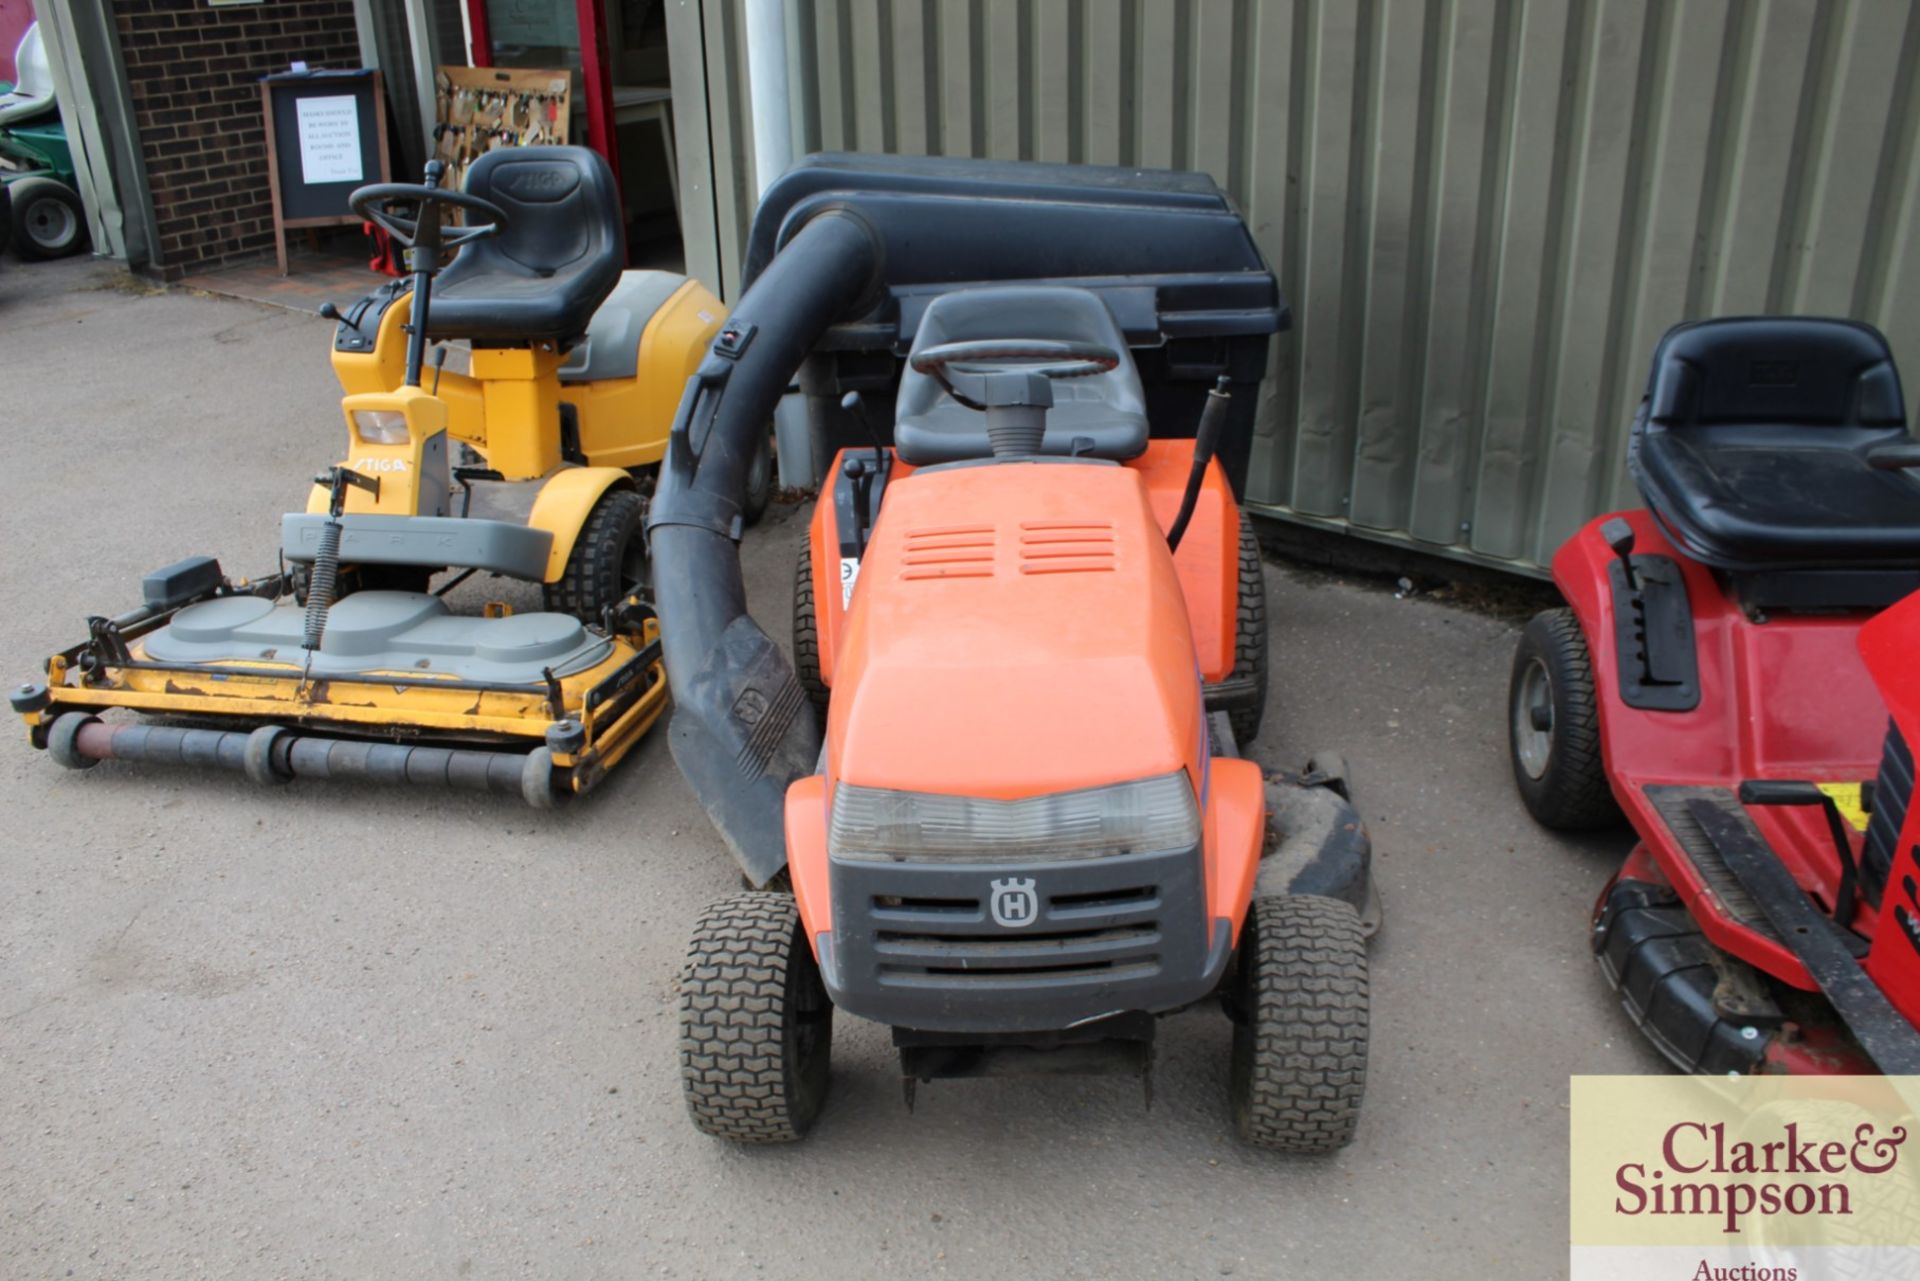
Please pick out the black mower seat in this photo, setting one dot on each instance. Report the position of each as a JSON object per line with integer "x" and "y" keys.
{"x": 1108, "y": 410}
{"x": 542, "y": 278}
{"x": 1751, "y": 446}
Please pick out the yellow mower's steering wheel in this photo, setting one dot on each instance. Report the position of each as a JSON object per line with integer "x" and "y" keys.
{"x": 370, "y": 203}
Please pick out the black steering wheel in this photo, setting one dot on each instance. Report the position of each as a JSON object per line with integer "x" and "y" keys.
{"x": 370, "y": 203}
{"x": 1060, "y": 360}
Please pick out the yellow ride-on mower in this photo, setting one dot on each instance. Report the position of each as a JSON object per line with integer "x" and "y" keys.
{"x": 347, "y": 661}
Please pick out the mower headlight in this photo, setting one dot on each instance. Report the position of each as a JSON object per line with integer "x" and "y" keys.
{"x": 380, "y": 426}
{"x": 1152, "y": 814}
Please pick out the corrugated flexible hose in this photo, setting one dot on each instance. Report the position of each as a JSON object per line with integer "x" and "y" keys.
{"x": 322, "y": 582}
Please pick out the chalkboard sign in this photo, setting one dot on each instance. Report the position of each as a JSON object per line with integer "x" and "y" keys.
{"x": 326, "y": 135}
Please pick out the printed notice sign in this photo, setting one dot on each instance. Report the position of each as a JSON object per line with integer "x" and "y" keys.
{"x": 1745, "y": 1178}
{"x": 329, "y": 140}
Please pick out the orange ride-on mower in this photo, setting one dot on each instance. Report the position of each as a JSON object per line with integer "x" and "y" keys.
{"x": 1038, "y": 634}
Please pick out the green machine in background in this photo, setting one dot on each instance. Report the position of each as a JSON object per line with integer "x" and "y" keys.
{"x": 36, "y": 165}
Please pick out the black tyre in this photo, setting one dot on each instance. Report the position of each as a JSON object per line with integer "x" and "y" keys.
{"x": 608, "y": 561}
{"x": 759, "y": 482}
{"x": 806, "y": 635}
{"x": 1553, "y": 728}
{"x": 1243, "y": 694}
{"x": 1299, "y": 1066}
{"x": 48, "y": 219}
{"x": 756, "y": 1026}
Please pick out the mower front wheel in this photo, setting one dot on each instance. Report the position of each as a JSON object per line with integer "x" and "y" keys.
{"x": 48, "y": 219}
{"x": 1300, "y": 1030}
{"x": 609, "y": 558}
{"x": 756, "y": 1024}
{"x": 1553, "y": 728}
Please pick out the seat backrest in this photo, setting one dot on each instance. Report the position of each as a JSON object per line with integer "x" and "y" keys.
{"x": 563, "y": 204}
{"x": 1756, "y": 371}
{"x": 32, "y": 91}
{"x": 1106, "y": 412}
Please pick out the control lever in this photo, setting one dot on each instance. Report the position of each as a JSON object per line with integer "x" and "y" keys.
{"x": 857, "y": 471}
{"x": 1894, "y": 457}
{"x": 1793, "y": 792}
{"x": 1213, "y": 421}
{"x": 1619, "y": 536}
{"x": 336, "y": 479}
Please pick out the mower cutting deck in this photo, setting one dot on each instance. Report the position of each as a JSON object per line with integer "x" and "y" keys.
{"x": 1707, "y": 681}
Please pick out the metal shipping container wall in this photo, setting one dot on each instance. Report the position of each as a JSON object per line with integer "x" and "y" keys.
{"x": 1485, "y": 212}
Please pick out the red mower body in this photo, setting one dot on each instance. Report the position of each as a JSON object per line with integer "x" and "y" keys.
{"x": 1788, "y": 699}
{"x": 1891, "y": 646}
{"x": 1723, "y": 679}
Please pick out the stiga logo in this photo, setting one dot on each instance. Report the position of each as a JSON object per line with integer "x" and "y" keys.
{"x": 1791, "y": 1175}
{"x": 1744, "y": 1178}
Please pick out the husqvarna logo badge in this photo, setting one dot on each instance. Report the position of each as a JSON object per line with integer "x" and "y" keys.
{"x": 1014, "y": 904}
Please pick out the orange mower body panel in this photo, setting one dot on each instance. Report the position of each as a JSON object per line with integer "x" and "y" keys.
{"x": 1020, "y": 630}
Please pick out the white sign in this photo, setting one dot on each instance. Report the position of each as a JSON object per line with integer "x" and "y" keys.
{"x": 849, "y": 575}
{"x": 329, "y": 139}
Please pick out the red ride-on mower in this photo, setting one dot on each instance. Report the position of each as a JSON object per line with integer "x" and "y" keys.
{"x": 1038, "y": 632}
{"x": 1722, "y": 678}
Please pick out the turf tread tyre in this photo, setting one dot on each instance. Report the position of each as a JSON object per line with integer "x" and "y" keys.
{"x": 1299, "y": 1067}
{"x": 591, "y": 581}
{"x": 806, "y": 635}
{"x": 1243, "y": 694}
{"x": 1572, "y": 794}
{"x": 756, "y": 1026}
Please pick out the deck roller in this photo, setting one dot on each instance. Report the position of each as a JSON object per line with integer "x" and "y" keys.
{"x": 276, "y": 754}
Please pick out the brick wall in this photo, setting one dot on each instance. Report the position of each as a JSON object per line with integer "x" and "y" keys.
{"x": 194, "y": 73}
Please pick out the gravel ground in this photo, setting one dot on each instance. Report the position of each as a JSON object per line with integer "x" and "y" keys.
{"x": 346, "y": 1032}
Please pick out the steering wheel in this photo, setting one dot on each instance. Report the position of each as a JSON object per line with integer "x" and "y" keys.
{"x": 1066, "y": 360}
{"x": 370, "y": 201}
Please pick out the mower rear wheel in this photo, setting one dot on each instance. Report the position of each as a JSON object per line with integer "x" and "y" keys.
{"x": 1299, "y": 1066}
{"x": 756, "y": 1024}
{"x": 1553, "y": 728}
{"x": 48, "y": 219}
{"x": 806, "y": 635}
{"x": 1243, "y": 694}
{"x": 759, "y": 488}
{"x": 609, "y": 558}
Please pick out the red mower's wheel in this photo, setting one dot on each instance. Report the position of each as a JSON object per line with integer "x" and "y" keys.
{"x": 1300, "y": 1024}
{"x": 756, "y": 1025}
{"x": 608, "y": 561}
{"x": 1243, "y": 694}
{"x": 1553, "y": 728}
{"x": 806, "y": 635}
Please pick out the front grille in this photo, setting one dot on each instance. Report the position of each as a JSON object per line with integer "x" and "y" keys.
{"x": 1112, "y": 933}
{"x": 942, "y": 945}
